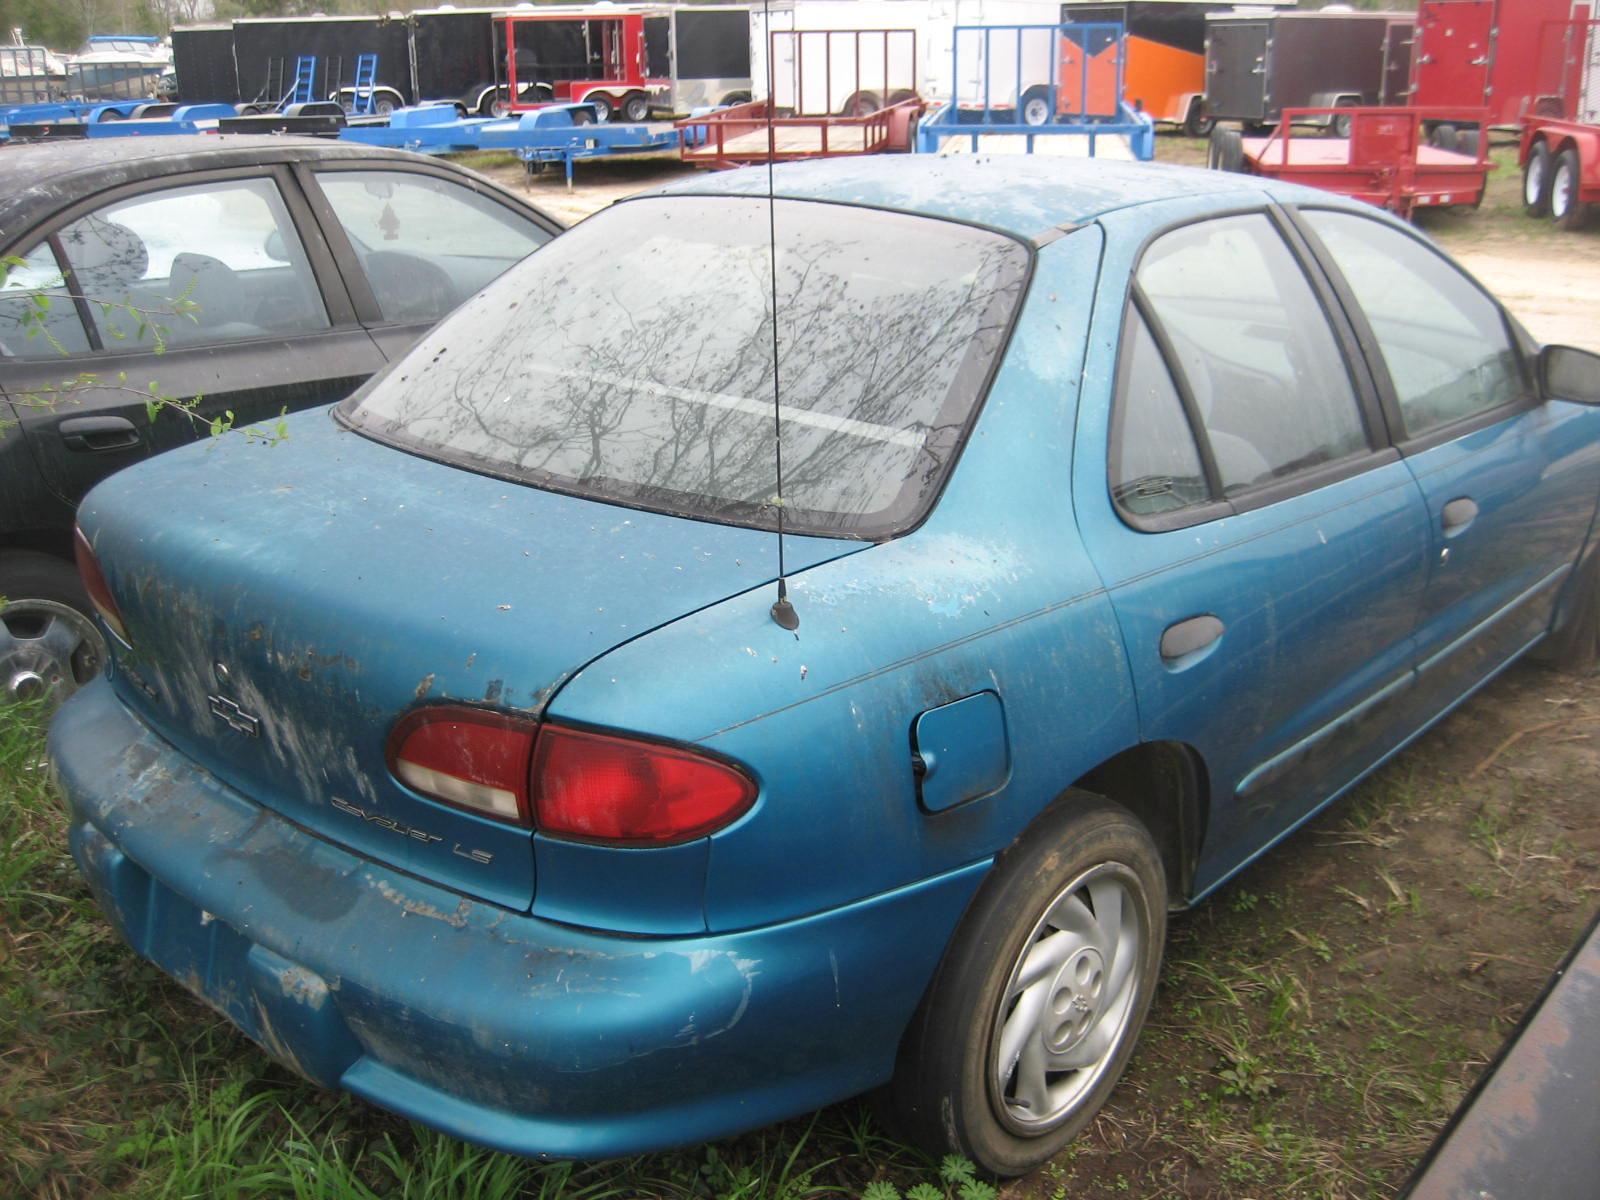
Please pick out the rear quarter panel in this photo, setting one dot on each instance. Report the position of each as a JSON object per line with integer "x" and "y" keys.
{"x": 993, "y": 592}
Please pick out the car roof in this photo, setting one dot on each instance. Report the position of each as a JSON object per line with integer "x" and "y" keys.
{"x": 1025, "y": 195}
{"x": 44, "y": 177}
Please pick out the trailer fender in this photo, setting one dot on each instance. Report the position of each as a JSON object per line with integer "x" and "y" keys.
{"x": 1587, "y": 143}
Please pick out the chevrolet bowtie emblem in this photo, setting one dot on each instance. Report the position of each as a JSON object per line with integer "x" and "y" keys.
{"x": 234, "y": 717}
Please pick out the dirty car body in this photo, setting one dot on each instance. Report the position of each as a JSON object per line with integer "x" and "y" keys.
{"x": 366, "y": 770}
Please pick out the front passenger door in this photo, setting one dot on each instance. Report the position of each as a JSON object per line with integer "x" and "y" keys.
{"x": 1510, "y": 483}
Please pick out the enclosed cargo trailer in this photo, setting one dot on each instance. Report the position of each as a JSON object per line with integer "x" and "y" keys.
{"x": 265, "y": 51}
{"x": 1487, "y": 54}
{"x": 202, "y": 58}
{"x": 1164, "y": 57}
{"x": 1260, "y": 63}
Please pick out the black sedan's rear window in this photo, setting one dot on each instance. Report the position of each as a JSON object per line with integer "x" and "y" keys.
{"x": 631, "y": 360}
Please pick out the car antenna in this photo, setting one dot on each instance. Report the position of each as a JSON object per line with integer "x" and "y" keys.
{"x": 783, "y": 612}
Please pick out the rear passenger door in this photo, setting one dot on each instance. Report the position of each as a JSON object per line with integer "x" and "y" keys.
{"x": 1263, "y": 547}
{"x": 1510, "y": 482}
{"x": 414, "y": 242}
{"x": 206, "y": 289}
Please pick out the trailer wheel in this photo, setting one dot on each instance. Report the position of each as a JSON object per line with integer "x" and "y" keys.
{"x": 1225, "y": 151}
{"x": 635, "y": 108}
{"x": 1342, "y": 122}
{"x": 860, "y": 104}
{"x": 580, "y": 116}
{"x": 1467, "y": 142}
{"x": 1567, "y": 208}
{"x": 1035, "y": 109}
{"x": 1195, "y": 121}
{"x": 1536, "y": 180}
{"x": 604, "y": 106}
{"x": 1444, "y": 137}
{"x": 733, "y": 98}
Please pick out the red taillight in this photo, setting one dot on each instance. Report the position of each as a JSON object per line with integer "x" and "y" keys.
{"x": 94, "y": 582}
{"x": 603, "y": 788}
{"x": 467, "y": 757}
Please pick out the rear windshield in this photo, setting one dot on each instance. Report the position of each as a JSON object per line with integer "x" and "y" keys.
{"x": 631, "y": 360}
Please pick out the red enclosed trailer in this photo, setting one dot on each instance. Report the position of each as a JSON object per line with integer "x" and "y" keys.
{"x": 1484, "y": 54}
{"x": 1560, "y": 149}
{"x": 593, "y": 55}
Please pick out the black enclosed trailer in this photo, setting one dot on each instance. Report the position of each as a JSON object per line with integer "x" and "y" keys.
{"x": 456, "y": 58}
{"x": 266, "y": 50}
{"x": 1259, "y": 63}
{"x": 202, "y": 59}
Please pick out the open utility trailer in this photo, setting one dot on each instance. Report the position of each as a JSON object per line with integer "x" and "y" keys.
{"x": 1386, "y": 161}
{"x": 1018, "y": 83}
{"x": 834, "y": 92}
{"x": 1560, "y": 147}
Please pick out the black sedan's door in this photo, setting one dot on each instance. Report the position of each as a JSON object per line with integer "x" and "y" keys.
{"x": 215, "y": 290}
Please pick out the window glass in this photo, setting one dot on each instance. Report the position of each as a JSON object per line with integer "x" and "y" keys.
{"x": 425, "y": 243}
{"x": 632, "y": 359}
{"x": 37, "y": 317}
{"x": 1156, "y": 467}
{"x": 1256, "y": 349}
{"x": 227, "y": 252}
{"x": 1444, "y": 341}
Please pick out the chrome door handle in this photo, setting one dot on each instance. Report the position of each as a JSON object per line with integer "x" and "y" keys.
{"x": 1458, "y": 514}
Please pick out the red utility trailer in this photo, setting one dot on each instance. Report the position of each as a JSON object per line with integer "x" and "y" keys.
{"x": 1560, "y": 149}
{"x": 1488, "y": 54}
{"x": 833, "y": 92}
{"x": 1385, "y": 161}
{"x": 567, "y": 56}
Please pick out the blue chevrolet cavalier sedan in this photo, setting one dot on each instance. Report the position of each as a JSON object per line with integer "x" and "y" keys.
{"x": 1130, "y": 515}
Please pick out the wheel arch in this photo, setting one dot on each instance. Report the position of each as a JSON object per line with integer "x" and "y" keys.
{"x": 1167, "y": 787}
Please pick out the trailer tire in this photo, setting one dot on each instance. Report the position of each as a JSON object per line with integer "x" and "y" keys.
{"x": 1195, "y": 121}
{"x": 1468, "y": 142}
{"x": 635, "y": 107}
{"x": 1536, "y": 174}
{"x": 860, "y": 104}
{"x": 733, "y": 98}
{"x": 605, "y": 107}
{"x": 1225, "y": 152}
{"x": 1567, "y": 208}
{"x": 1035, "y": 106}
{"x": 1444, "y": 137}
{"x": 581, "y": 116}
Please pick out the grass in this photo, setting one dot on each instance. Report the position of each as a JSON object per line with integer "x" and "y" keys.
{"x": 1315, "y": 1024}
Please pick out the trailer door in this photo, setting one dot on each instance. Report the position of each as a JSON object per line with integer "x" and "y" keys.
{"x": 1454, "y": 45}
{"x": 1236, "y": 69}
{"x": 1398, "y": 41}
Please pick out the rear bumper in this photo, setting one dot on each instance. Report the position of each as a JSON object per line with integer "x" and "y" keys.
{"x": 501, "y": 1028}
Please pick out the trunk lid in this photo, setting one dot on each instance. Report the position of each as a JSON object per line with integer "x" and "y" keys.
{"x": 288, "y": 604}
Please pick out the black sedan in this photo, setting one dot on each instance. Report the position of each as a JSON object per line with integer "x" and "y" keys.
{"x": 237, "y": 277}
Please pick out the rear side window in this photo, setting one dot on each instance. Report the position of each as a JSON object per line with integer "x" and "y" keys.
{"x": 1249, "y": 335}
{"x": 37, "y": 317}
{"x": 1444, "y": 342}
{"x": 631, "y": 359}
{"x": 426, "y": 244}
{"x": 1155, "y": 464}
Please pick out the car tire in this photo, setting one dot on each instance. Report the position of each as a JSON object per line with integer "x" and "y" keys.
{"x": 1536, "y": 180}
{"x": 48, "y": 639}
{"x": 952, "y": 1093}
{"x": 1195, "y": 121}
{"x": 1567, "y": 208}
{"x": 1573, "y": 645}
{"x": 636, "y": 108}
{"x": 1225, "y": 151}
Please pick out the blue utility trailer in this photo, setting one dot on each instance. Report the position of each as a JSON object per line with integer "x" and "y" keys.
{"x": 35, "y": 122}
{"x": 1036, "y": 81}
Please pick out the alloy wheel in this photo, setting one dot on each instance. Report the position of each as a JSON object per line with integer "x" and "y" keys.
{"x": 46, "y": 648}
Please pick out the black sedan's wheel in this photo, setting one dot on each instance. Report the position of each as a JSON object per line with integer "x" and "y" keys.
{"x": 1225, "y": 151}
{"x": 1536, "y": 181}
{"x": 1567, "y": 209}
{"x": 49, "y": 645}
{"x": 1041, "y": 995}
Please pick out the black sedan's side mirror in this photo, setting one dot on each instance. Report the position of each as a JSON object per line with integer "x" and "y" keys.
{"x": 1567, "y": 373}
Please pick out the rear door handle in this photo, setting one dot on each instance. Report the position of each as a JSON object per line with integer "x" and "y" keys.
{"x": 1458, "y": 514}
{"x": 98, "y": 434}
{"x": 1189, "y": 637}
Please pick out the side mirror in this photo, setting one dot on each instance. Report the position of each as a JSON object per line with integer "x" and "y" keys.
{"x": 1567, "y": 373}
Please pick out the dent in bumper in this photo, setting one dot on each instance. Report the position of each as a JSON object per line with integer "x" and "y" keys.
{"x": 496, "y": 1026}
